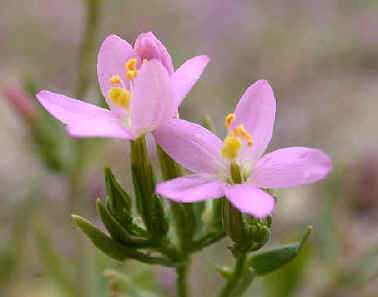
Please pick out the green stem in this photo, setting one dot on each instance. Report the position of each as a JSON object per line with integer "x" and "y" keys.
{"x": 183, "y": 213}
{"x": 236, "y": 275}
{"x": 182, "y": 270}
{"x": 185, "y": 224}
{"x": 244, "y": 284}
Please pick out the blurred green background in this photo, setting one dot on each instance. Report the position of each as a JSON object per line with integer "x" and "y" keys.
{"x": 321, "y": 58}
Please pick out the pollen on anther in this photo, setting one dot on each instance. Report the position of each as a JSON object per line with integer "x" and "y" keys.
{"x": 131, "y": 65}
{"x": 131, "y": 74}
{"x": 144, "y": 61}
{"x": 232, "y": 145}
{"x": 115, "y": 79}
{"x": 229, "y": 118}
{"x": 241, "y": 131}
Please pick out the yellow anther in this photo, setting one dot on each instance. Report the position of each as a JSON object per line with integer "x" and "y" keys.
{"x": 231, "y": 147}
{"x": 144, "y": 61}
{"x": 241, "y": 131}
{"x": 229, "y": 118}
{"x": 131, "y": 74}
{"x": 131, "y": 64}
{"x": 120, "y": 96}
{"x": 115, "y": 79}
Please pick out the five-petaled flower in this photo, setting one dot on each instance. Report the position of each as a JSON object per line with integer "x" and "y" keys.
{"x": 236, "y": 168}
{"x": 140, "y": 86}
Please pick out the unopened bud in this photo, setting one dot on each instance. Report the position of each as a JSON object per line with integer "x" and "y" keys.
{"x": 20, "y": 102}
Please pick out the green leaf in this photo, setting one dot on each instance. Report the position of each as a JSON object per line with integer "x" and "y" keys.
{"x": 119, "y": 202}
{"x": 117, "y": 232}
{"x": 115, "y": 249}
{"x": 267, "y": 261}
{"x": 104, "y": 243}
{"x": 115, "y": 229}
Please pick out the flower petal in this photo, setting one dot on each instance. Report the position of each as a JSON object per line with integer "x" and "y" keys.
{"x": 191, "y": 188}
{"x": 290, "y": 167}
{"x": 69, "y": 110}
{"x": 111, "y": 60}
{"x": 256, "y": 111}
{"x": 153, "y": 101}
{"x": 251, "y": 200}
{"x": 82, "y": 119}
{"x": 147, "y": 46}
{"x": 191, "y": 145}
{"x": 99, "y": 127}
{"x": 187, "y": 75}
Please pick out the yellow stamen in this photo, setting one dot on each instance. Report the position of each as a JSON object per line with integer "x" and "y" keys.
{"x": 144, "y": 61}
{"x": 231, "y": 147}
{"x": 131, "y": 64}
{"x": 115, "y": 79}
{"x": 131, "y": 74}
{"x": 120, "y": 96}
{"x": 241, "y": 131}
{"x": 229, "y": 118}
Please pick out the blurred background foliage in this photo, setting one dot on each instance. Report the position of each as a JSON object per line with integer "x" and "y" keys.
{"x": 321, "y": 57}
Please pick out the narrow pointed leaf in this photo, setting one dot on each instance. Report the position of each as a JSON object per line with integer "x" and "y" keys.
{"x": 104, "y": 243}
{"x": 117, "y": 232}
{"x": 267, "y": 261}
{"x": 119, "y": 201}
{"x": 114, "y": 249}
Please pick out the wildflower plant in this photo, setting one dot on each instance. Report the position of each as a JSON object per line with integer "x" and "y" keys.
{"x": 173, "y": 220}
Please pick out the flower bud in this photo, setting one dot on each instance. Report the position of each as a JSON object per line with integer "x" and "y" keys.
{"x": 21, "y": 102}
{"x": 148, "y": 47}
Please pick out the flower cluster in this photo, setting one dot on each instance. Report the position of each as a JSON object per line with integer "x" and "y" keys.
{"x": 143, "y": 92}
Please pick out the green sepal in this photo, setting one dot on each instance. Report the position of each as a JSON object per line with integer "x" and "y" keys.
{"x": 234, "y": 226}
{"x": 150, "y": 206}
{"x": 258, "y": 231}
{"x": 183, "y": 213}
{"x": 148, "y": 203}
{"x": 119, "y": 202}
{"x": 269, "y": 260}
{"x": 117, "y": 232}
{"x": 119, "y": 205}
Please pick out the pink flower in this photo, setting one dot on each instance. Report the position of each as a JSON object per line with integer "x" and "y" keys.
{"x": 139, "y": 85}
{"x": 250, "y": 131}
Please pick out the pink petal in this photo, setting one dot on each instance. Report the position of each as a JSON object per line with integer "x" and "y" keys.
{"x": 192, "y": 146}
{"x": 82, "y": 119}
{"x": 99, "y": 127}
{"x": 69, "y": 110}
{"x": 147, "y": 46}
{"x": 290, "y": 167}
{"x": 250, "y": 200}
{"x": 187, "y": 75}
{"x": 191, "y": 188}
{"x": 256, "y": 111}
{"x": 153, "y": 101}
{"x": 111, "y": 60}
